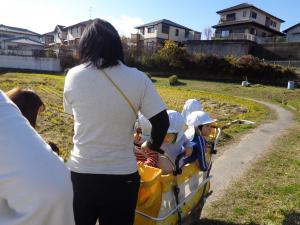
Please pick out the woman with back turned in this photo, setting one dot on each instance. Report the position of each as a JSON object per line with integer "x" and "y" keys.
{"x": 104, "y": 96}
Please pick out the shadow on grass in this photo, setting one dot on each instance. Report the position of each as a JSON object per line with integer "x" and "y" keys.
{"x": 219, "y": 222}
{"x": 292, "y": 218}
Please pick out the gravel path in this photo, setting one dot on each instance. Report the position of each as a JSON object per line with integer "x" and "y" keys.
{"x": 238, "y": 157}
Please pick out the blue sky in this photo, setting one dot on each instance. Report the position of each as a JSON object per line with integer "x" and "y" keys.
{"x": 41, "y": 16}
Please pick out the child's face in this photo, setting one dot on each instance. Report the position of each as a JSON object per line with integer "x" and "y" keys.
{"x": 206, "y": 130}
{"x": 169, "y": 138}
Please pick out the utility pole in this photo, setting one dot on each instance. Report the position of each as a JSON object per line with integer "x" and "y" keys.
{"x": 90, "y": 12}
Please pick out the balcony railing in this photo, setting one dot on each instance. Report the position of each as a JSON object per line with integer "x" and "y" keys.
{"x": 136, "y": 37}
{"x": 235, "y": 36}
{"x": 257, "y": 39}
{"x": 225, "y": 20}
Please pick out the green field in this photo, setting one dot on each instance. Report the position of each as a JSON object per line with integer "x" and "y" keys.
{"x": 279, "y": 95}
{"x": 56, "y": 126}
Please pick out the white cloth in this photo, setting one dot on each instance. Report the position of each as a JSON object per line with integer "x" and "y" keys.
{"x": 35, "y": 186}
{"x": 190, "y": 106}
{"x": 103, "y": 120}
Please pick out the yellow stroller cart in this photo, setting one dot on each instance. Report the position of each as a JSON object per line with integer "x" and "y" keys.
{"x": 176, "y": 198}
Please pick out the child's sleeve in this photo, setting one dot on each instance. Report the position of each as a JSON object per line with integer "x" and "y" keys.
{"x": 152, "y": 159}
{"x": 187, "y": 143}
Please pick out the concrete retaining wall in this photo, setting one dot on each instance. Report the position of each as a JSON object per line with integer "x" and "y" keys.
{"x": 220, "y": 48}
{"x": 270, "y": 51}
{"x": 286, "y": 50}
{"x": 30, "y": 63}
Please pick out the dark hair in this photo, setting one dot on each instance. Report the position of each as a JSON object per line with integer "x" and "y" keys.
{"x": 28, "y": 102}
{"x": 53, "y": 147}
{"x": 101, "y": 45}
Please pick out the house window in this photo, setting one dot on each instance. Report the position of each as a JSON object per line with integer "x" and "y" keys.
{"x": 165, "y": 28}
{"x": 151, "y": 29}
{"x": 142, "y": 30}
{"x": 150, "y": 45}
{"x": 253, "y": 15}
{"x": 230, "y": 17}
{"x": 253, "y": 31}
{"x": 176, "y": 32}
{"x": 244, "y": 13}
{"x": 225, "y": 33}
{"x": 186, "y": 34}
{"x": 274, "y": 24}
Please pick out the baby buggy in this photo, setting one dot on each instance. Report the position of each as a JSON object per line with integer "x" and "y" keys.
{"x": 176, "y": 198}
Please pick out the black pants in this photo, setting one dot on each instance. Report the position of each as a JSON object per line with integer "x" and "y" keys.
{"x": 109, "y": 198}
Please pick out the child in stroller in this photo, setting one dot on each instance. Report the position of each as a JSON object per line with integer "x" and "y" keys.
{"x": 200, "y": 127}
{"x": 175, "y": 142}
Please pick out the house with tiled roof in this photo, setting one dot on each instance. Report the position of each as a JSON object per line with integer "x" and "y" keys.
{"x": 246, "y": 21}
{"x": 47, "y": 38}
{"x": 15, "y": 38}
{"x": 293, "y": 33}
{"x": 69, "y": 35}
{"x": 151, "y": 35}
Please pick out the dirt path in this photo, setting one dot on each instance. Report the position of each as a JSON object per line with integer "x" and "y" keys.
{"x": 238, "y": 157}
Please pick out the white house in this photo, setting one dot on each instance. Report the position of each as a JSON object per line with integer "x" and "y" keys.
{"x": 293, "y": 33}
{"x": 47, "y": 38}
{"x": 154, "y": 34}
{"x": 69, "y": 35}
{"x": 14, "y": 38}
{"x": 246, "y": 21}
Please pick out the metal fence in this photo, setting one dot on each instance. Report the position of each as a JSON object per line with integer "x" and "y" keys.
{"x": 235, "y": 36}
{"x": 288, "y": 63}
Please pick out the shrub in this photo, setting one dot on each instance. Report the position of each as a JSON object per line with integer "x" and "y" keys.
{"x": 68, "y": 61}
{"x": 149, "y": 62}
{"x": 173, "y": 80}
{"x": 50, "y": 53}
{"x": 175, "y": 55}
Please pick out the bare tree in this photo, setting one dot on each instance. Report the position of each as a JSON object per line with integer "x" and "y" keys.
{"x": 207, "y": 33}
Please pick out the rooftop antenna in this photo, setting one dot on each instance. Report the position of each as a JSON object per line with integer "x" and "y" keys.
{"x": 90, "y": 12}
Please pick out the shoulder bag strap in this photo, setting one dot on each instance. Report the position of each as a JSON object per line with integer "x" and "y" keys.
{"x": 122, "y": 93}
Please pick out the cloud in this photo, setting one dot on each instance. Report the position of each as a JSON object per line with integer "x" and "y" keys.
{"x": 125, "y": 24}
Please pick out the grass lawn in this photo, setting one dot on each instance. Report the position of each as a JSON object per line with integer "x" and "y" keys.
{"x": 279, "y": 95}
{"x": 56, "y": 126}
{"x": 269, "y": 194}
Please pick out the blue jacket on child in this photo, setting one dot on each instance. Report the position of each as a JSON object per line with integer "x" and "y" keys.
{"x": 199, "y": 149}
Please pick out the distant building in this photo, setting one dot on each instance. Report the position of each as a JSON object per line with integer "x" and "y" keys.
{"x": 246, "y": 21}
{"x": 152, "y": 35}
{"x": 69, "y": 35}
{"x": 66, "y": 36}
{"x": 293, "y": 33}
{"x": 47, "y": 38}
{"x": 14, "y": 38}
